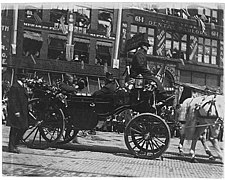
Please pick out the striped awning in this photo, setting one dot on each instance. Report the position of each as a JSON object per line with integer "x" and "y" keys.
{"x": 32, "y": 35}
{"x": 56, "y": 36}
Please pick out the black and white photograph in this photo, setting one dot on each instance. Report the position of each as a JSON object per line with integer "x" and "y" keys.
{"x": 112, "y": 89}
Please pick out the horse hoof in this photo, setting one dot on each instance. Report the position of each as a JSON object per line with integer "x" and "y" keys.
{"x": 193, "y": 160}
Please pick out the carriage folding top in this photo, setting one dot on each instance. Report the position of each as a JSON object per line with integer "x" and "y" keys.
{"x": 199, "y": 88}
{"x": 189, "y": 89}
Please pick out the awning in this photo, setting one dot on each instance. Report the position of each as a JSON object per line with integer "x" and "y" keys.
{"x": 101, "y": 43}
{"x": 81, "y": 40}
{"x": 192, "y": 86}
{"x": 56, "y": 36}
{"x": 32, "y": 35}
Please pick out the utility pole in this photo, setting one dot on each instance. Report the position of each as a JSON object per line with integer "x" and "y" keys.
{"x": 69, "y": 47}
{"x": 118, "y": 30}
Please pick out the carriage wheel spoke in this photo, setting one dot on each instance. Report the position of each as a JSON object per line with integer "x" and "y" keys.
{"x": 154, "y": 143}
{"x": 135, "y": 130}
{"x": 137, "y": 125}
{"x": 147, "y": 143}
{"x": 163, "y": 142}
{"x": 152, "y": 148}
{"x": 48, "y": 132}
{"x": 35, "y": 136}
{"x": 30, "y": 133}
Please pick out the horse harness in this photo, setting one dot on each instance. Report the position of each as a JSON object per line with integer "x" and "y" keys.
{"x": 209, "y": 115}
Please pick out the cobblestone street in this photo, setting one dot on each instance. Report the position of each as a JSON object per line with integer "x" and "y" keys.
{"x": 105, "y": 155}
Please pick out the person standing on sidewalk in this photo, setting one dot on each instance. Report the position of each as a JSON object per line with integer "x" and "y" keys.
{"x": 17, "y": 112}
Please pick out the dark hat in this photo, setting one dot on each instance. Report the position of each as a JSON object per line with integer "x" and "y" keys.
{"x": 21, "y": 75}
{"x": 109, "y": 76}
{"x": 144, "y": 43}
{"x": 82, "y": 83}
{"x": 67, "y": 76}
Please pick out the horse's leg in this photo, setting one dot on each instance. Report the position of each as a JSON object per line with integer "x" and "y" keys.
{"x": 198, "y": 132}
{"x": 181, "y": 143}
{"x": 203, "y": 141}
{"x": 214, "y": 131}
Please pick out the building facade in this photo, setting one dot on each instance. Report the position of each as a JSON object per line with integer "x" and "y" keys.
{"x": 190, "y": 47}
{"x": 49, "y": 41}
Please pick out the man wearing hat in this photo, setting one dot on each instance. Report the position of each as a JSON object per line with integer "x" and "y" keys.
{"x": 139, "y": 65}
{"x": 17, "y": 112}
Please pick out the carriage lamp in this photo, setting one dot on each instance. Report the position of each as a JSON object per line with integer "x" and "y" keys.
{"x": 139, "y": 82}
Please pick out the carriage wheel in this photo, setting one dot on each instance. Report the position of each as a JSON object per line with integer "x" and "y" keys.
{"x": 68, "y": 134}
{"x": 147, "y": 136}
{"x": 45, "y": 127}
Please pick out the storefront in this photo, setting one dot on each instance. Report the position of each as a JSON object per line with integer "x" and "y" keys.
{"x": 42, "y": 49}
{"x": 191, "y": 54}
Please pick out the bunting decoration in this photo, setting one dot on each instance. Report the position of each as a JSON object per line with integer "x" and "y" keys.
{"x": 160, "y": 42}
{"x": 193, "y": 47}
{"x": 161, "y": 73}
{"x": 200, "y": 23}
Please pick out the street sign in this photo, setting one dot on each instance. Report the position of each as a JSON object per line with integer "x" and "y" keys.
{"x": 135, "y": 40}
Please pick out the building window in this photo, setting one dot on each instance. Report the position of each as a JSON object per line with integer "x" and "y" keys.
{"x": 105, "y": 22}
{"x": 32, "y": 43}
{"x": 103, "y": 53}
{"x": 83, "y": 19}
{"x": 207, "y": 50}
{"x": 133, "y": 30}
{"x": 81, "y": 52}
{"x": 57, "y": 47}
{"x": 33, "y": 14}
{"x": 208, "y": 15}
{"x": 176, "y": 45}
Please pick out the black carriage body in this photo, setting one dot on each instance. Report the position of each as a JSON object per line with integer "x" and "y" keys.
{"x": 85, "y": 111}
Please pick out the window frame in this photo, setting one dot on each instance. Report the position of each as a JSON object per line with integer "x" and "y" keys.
{"x": 209, "y": 46}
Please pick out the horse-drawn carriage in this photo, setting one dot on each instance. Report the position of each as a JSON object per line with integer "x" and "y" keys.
{"x": 56, "y": 118}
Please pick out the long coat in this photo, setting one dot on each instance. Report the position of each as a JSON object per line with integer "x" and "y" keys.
{"x": 139, "y": 66}
{"x": 17, "y": 102}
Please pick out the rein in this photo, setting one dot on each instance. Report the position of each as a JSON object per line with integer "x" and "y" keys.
{"x": 202, "y": 105}
{"x": 213, "y": 124}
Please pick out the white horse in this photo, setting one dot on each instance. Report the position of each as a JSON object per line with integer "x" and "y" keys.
{"x": 198, "y": 113}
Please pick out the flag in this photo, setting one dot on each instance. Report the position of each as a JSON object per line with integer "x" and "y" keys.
{"x": 203, "y": 18}
{"x": 38, "y": 20}
{"x": 185, "y": 12}
{"x": 62, "y": 25}
{"x": 161, "y": 73}
{"x": 200, "y": 23}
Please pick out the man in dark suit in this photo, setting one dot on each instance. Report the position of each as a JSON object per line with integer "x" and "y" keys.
{"x": 17, "y": 112}
{"x": 139, "y": 66}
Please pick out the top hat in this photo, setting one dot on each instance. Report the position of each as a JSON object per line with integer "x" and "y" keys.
{"x": 109, "y": 76}
{"x": 144, "y": 43}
